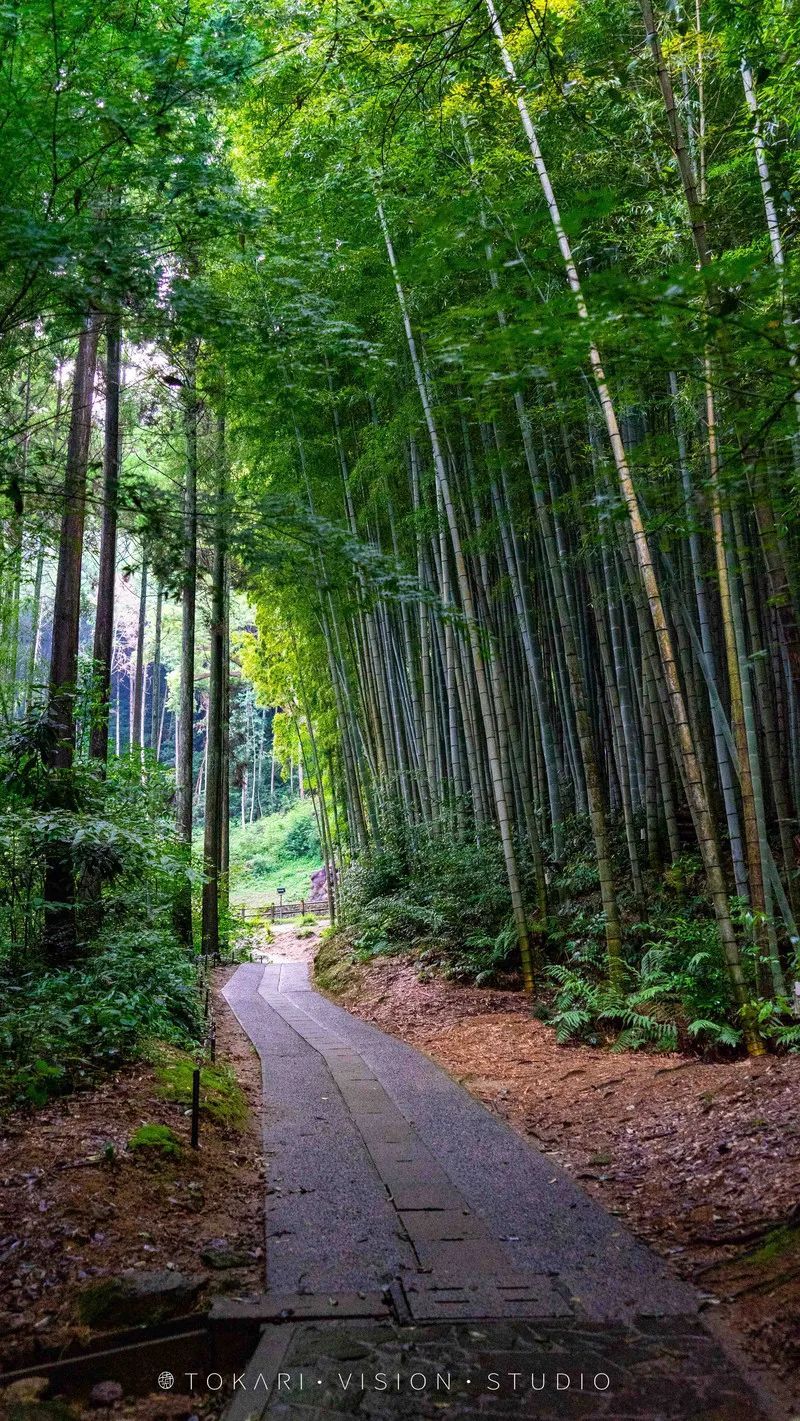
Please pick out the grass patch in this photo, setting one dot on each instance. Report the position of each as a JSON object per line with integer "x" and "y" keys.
{"x": 221, "y": 1096}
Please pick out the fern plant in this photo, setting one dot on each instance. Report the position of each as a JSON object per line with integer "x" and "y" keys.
{"x": 679, "y": 991}
{"x": 585, "y": 1007}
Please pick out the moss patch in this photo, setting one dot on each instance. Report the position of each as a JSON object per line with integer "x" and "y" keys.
{"x": 100, "y": 1301}
{"x": 155, "y": 1137}
{"x": 335, "y": 966}
{"x": 221, "y": 1097}
{"x": 777, "y": 1244}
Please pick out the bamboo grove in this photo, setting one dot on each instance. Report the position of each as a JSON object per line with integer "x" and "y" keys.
{"x": 484, "y": 321}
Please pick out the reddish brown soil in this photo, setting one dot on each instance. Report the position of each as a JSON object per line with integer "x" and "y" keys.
{"x": 69, "y": 1215}
{"x": 701, "y": 1159}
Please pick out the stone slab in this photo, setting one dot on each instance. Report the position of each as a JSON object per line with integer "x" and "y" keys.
{"x": 280, "y": 1307}
{"x": 440, "y": 1224}
{"x": 508, "y": 1370}
{"x": 529, "y": 1203}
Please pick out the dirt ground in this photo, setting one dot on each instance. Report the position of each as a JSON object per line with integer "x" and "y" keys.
{"x": 77, "y": 1205}
{"x": 702, "y": 1160}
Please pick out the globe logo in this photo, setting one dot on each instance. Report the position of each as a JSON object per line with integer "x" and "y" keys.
{"x": 166, "y": 1380}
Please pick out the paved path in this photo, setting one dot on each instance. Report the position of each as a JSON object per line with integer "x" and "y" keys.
{"x": 385, "y": 1178}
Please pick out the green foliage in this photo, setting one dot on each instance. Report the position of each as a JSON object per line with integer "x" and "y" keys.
{"x": 132, "y": 115}
{"x": 279, "y": 850}
{"x": 58, "y": 1030}
{"x": 428, "y": 889}
{"x": 262, "y": 928}
{"x": 302, "y": 839}
{"x": 130, "y": 982}
{"x": 683, "y": 974}
{"x": 392, "y": 924}
{"x": 113, "y": 833}
{"x": 676, "y": 995}
{"x": 591, "y": 1010}
{"x": 158, "y": 1138}
{"x": 480, "y": 959}
{"x": 787, "y": 1036}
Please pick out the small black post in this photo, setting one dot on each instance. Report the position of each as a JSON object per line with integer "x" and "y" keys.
{"x": 205, "y": 1008}
{"x": 196, "y": 1108}
{"x": 212, "y": 1043}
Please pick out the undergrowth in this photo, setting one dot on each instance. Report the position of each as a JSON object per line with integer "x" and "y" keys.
{"x": 279, "y": 850}
{"x": 445, "y": 899}
{"x": 66, "y": 1016}
{"x": 426, "y": 889}
{"x": 60, "y": 1029}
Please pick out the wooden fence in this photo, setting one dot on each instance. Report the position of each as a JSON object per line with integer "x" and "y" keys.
{"x": 278, "y": 912}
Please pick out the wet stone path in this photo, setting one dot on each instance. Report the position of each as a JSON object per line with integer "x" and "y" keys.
{"x": 424, "y": 1260}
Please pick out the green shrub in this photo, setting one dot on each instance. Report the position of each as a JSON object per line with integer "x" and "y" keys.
{"x": 127, "y": 981}
{"x": 593, "y": 1011}
{"x": 392, "y": 924}
{"x": 481, "y": 958}
{"x": 683, "y": 974}
{"x": 302, "y": 839}
{"x": 677, "y": 994}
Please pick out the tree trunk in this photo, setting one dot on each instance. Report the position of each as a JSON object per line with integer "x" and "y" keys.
{"x": 184, "y": 729}
{"x": 214, "y": 805}
{"x": 60, "y": 925}
{"x": 66, "y": 606}
{"x": 104, "y": 618}
{"x": 155, "y": 676}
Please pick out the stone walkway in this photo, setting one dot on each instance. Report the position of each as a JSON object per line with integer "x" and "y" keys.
{"x": 483, "y": 1279}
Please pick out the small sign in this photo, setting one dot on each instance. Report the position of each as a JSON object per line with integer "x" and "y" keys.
{"x": 281, "y": 890}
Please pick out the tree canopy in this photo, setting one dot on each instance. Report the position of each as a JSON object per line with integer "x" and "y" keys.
{"x": 414, "y": 390}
